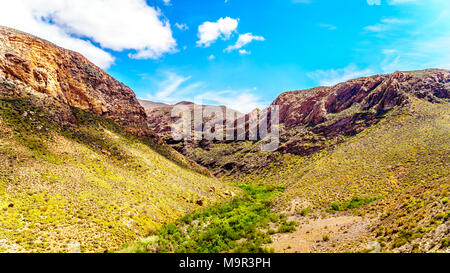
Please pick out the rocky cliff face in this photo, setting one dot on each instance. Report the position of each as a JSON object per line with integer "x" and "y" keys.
{"x": 69, "y": 77}
{"x": 159, "y": 116}
{"x": 380, "y": 93}
{"x": 319, "y": 118}
{"x": 346, "y": 108}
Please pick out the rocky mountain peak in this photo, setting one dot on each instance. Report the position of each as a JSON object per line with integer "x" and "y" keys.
{"x": 69, "y": 77}
{"x": 379, "y": 92}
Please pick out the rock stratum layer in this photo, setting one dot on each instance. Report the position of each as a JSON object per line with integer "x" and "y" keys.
{"x": 68, "y": 77}
{"x": 319, "y": 118}
{"x": 159, "y": 116}
{"x": 380, "y": 92}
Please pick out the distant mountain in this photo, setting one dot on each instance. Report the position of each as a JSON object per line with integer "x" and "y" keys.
{"x": 146, "y": 104}
{"x": 319, "y": 118}
{"x": 159, "y": 116}
{"x": 382, "y": 140}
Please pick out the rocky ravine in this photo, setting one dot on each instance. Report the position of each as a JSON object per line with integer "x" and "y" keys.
{"x": 68, "y": 77}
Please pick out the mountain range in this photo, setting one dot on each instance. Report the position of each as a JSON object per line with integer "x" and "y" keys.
{"x": 86, "y": 166}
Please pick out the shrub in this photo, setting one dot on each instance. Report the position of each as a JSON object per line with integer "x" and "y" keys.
{"x": 335, "y": 206}
{"x": 445, "y": 242}
{"x": 353, "y": 203}
{"x": 287, "y": 227}
{"x": 304, "y": 212}
{"x": 231, "y": 227}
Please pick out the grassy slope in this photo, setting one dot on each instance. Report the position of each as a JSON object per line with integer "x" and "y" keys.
{"x": 92, "y": 184}
{"x": 396, "y": 166}
{"x": 403, "y": 160}
{"x": 416, "y": 220}
{"x": 407, "y": 149}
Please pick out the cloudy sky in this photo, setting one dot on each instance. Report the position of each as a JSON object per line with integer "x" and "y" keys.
{"x": 240, "y": 53}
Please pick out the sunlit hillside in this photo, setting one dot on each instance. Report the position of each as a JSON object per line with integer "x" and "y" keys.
{"x": 87, "y": 185}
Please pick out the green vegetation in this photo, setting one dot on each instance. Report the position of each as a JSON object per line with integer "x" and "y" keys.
{"x": 287, "y": 227}
{"x": 305, "y": 212}
{"x": 237, "y": 226}
{"x": 406, "y": 149}
{"x": 68, "y": 176}
{"x": 353, "y": 203}
{"x": 414, "y": 214}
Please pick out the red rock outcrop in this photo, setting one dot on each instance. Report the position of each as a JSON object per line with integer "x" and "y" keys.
{"x": 68, "y": 77}
{"x": 380, "y": 92}
{"x": 317, "y": 118}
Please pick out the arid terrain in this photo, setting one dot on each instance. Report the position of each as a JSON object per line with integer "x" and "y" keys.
{"x": 362, "y": 166}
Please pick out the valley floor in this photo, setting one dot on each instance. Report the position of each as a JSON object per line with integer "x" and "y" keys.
{"x": 416, "y": 221}
{"x": 325, "y": 235}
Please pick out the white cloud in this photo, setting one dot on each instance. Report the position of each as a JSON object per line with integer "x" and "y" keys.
{"x": 391, "y": 2}
{"x": 425, "y": 45}
{"x": 243, "y": 40}
{"x": 182, "y": 27}
{"x": 211, "y": 57}
{"x": 328, "y": 26}
{"x": 166, "y": 2}
{"x": 386, "y": 24}
{"x": 241, "y": 100}
{"x": 376, "y": 28}
{"x": 173, "y": 88}
{"x": 374, "y": 2}
{"x": 389, "y": 51}
{"x": 415, "y": 55}
{"x": 114, "y": 24}
{"x": 209, "y": 32}
{"x": 170, "y": 85}
{"x": 393, "y": 21}
{"x": 436, "y": 50}
{"x": 335, "y": 76}
{"x": 244, "y": 52}
{"x": 396, "y": 2}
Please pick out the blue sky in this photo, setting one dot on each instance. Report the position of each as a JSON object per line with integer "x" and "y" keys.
{"x": 242, "y": 53}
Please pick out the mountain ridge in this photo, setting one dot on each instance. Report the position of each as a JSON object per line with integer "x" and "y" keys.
{"x": 318, "y": 118}
{"x": 69, "y": 77}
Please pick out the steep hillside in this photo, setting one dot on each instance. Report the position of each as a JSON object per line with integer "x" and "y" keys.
{"x": 408, "y": 148}
{"x": 394, "y": 174}
{"x": 320, "y": 118}
{"x": 79, "y": 169}
{"x": 69, "y": 77}
{"x": 363, "y": 163}
{"x": 383, "y": 189}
